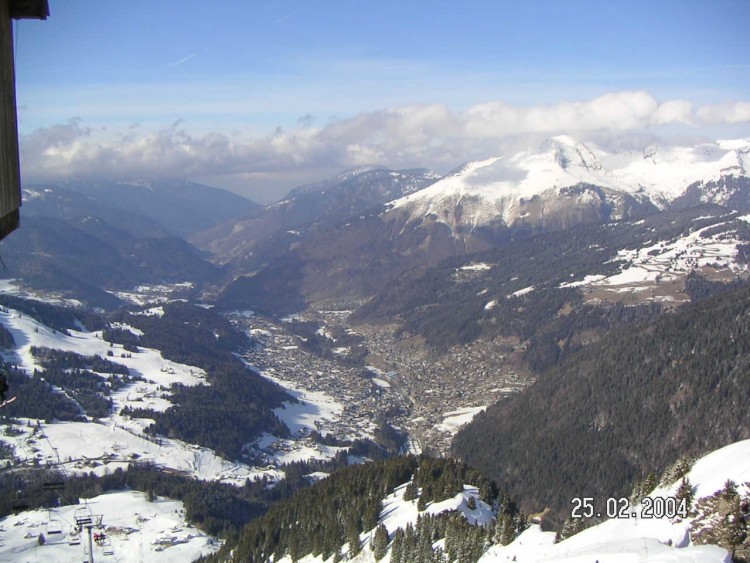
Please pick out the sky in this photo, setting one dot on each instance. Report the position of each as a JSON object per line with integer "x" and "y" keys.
{"x": 259, "y": 97}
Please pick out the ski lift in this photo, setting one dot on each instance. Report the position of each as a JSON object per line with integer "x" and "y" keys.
{"x": 83, "y": 517}
{"x": 74, "y": 537}
{"x": 53, "y": 486}
{"x": 54, "y": 526}
{"x": 107, "y": 546}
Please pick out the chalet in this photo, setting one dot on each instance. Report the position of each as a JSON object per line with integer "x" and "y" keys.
{"x": 10, "y": 174}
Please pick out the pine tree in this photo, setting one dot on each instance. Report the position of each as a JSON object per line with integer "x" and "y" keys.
{"x": 424, "y": 544}
{"x": 504, "y": 530}
{"x": 352, "y": 534}
{"x": 685, "y": 491}
{"x": 677, "y": 470}
{"x": 410, "y": 544}
{"x": 519, "y": 524}
{"x": 410, "y": 492}
{"x": 397, "y": 547}
{"x": 438, "y": 555}
{"x": 733, "y": 531}
{"x": 379, "y": 542}
{"x": 729, "y": 492}
{"x": 649, "y": 484}
{"x": 571, "y": 527}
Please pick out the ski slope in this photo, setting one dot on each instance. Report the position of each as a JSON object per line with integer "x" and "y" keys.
{"x": 137, "y": 530}
{"x": 105, "y": 444}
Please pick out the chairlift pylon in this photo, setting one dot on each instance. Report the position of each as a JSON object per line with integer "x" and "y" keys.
{"x": 19, "y": 502}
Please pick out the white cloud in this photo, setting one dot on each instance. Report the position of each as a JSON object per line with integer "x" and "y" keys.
{"x": 674, "y": 111}
{"x": 730, "y": 113}
{"x": 429, "y": 135}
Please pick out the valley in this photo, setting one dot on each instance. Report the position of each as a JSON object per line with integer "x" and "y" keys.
{"x": 374, "y": 282}
{"x": 382, "y": 317}
{"x": 399, "y": 383}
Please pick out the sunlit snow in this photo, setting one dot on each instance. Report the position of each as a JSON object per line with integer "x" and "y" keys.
{"x": 136, "y": 530}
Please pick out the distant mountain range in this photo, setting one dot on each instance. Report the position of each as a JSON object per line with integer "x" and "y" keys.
{"x": 88, "y": 238}
{"x": 349, "y": 236}
{"x": 179, "y": 206}
{"x": 556, "y": 186}
{"x": 563, "y": 182}
{"x": 251, "y": 241}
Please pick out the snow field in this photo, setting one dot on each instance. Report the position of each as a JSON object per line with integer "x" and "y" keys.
{"x": 454, "y": 420}
{"x": 663, "y": 172}
{"x": 314, "y": 411}
{"x": 137, "y": 530}
{"x": 398, "y": 513}
{"x": 115, "y": 441}
{"x": 665, "y": 262}
{"x": 667, "y": 259}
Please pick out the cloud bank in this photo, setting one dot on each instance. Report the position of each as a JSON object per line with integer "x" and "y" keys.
{"x": 429, "y": 135}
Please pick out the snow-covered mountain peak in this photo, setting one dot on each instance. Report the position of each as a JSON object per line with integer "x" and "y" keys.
{"x": 495, "y": 186}
{"x": 663, "y": 173}
{"x": 568, "y": 152}
{"x": 734, "y": 144}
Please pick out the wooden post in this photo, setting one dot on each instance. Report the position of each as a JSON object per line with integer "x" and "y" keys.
{"x": 10, "y": 174}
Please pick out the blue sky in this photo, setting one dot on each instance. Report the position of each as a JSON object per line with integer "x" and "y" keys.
{"x": 275, "y": 93}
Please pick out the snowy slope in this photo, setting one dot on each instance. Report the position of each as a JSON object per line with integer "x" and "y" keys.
{"x": 636, "y": 539}
{"x": 115, "y": 441}
{"x": 714, "y": 247}
{"x": 500, "y": 187}
{"x": 315, "y": 410}
{"x": 399, "y": 513}
{"x": 664, "y": 173}
{"x": 639, "y": 539}
{"x": 137, "y": 530}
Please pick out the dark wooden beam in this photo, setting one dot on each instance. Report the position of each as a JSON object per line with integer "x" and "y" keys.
{"x": 29, "y": 9}
{"x": 10, "y": 174}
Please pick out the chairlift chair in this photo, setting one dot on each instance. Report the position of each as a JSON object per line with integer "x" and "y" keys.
{"x": 83, "y": 517}
{"x": 54, "y": 526}
{"x": 107, "y": 546}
